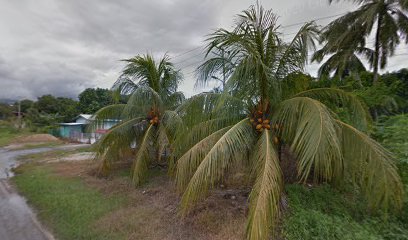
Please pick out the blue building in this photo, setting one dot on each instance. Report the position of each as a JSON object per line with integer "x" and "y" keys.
{"x": 80, "y": 129}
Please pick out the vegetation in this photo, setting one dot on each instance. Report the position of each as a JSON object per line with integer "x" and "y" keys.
{"x": 67, "y": 205}
{"x": 147, "y": 118}
{"x": 386, "y": 18}
{"x": 264, "y": 116}
{"x": 306, "y": 149}
{"x": 42, "y": 115}
{"x": 91, "y": 100}
{"x": 8, "y": 133}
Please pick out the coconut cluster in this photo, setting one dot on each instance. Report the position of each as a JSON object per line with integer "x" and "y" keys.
{"x": 153, "y": 117}
{"x": 260, "y": 121}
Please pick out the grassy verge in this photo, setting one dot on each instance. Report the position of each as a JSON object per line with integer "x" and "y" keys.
{"x": 89, "y": 208}
{"x": 324, "y": 213}
{"x": 75, "y": 205}
{"x": 66, "y": 205}
{"x": 8, "y": 133}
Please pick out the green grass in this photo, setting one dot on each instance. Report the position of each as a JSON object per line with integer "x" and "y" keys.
{"x": 8, "y": 133}
{"x": 66, "y": 205}
{"x": 324, "y": 213}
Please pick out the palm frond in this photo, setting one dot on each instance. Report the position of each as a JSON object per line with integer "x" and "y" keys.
{"x": 173, "y": 100}
{"x": 110, "y": 112}
{"x": 172, "y": 123}
{"x": 295, "y": 54}
{"x": 265, "y": 197}
{"x": 142, "y": 101}
{"x": 371, "y": 167}
{"x": 144, "y": 71}
{"x": 141, "y": 162}
{"x": 114, "y": 143}
{"x": 188, "y": 163}
{"x": 311, "y": 132}
{"x": 360, "y": 116}
{"x": 229, "y": 148}
{"x": 162, "y": 142}
{"x": 124, "y": 85}
{"x": 188, "y": 137}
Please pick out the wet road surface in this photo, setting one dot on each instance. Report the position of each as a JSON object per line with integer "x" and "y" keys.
{"x": 17, "y": 220}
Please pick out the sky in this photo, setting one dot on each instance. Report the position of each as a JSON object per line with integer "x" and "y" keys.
{"x": 62, "y": 47}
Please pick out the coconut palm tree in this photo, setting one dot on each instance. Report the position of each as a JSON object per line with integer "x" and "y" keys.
{"x": 218, "y": 67}
{"x": 342, "y": 62}
{"x": 264, "y": 115}
{"x": 148, "y": 119}
{"x": 343, "y": 52}
{"x": 388, "y": 20}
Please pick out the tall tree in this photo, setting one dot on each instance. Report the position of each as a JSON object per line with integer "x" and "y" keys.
{"x": 143, "y": 71}
{"x": 342, "y": 62}
{"x": 264, "y": 115}
{"x": 147, "y": 118}
{"x": 386, "y": 18}
{"x": 93, "y": 99}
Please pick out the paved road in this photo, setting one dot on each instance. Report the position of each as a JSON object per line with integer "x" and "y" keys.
{"x": 17, "y": 220}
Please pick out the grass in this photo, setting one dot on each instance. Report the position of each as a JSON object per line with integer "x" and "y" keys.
{"x": 89, "y": 208}
{"x": 324, "y": 213}
{"x": 66, "y": 205}
{"x": 8, "y": 133}
{"x": 76, "y": 205}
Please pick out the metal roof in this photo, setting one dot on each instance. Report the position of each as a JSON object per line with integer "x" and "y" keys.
{"x": 71, "y": 124}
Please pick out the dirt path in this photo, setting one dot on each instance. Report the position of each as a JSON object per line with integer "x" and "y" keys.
{"x": 17, "y": 220}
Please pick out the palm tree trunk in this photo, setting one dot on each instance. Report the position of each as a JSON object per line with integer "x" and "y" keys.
{"x": 377, "y": 49}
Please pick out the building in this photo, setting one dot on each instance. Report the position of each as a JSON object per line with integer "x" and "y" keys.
{"x": 85, "y": 129}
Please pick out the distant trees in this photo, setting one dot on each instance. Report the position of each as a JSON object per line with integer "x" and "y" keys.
{"x": 5, "y": 111}
{"x": 48, "y": 110}
{"x": 389, "y": 96}
{"x": 385, "y": 18}
{"x": 93, "y": 99}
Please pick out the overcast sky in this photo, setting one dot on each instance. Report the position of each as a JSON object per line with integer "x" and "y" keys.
{"x": 61, "y": 47}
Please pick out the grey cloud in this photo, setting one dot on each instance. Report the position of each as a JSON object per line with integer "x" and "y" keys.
{"x": 61, "y": 47}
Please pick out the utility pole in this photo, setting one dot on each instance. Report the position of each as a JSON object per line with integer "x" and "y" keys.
{"x": 19, "y": 114}
{"x": 223, "y": 69}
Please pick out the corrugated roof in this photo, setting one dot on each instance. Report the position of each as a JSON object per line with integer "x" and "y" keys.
{"x": 86, "y": 116}
{"x": 71, "y": 124}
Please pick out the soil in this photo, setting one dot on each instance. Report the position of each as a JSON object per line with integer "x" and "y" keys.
{"x": 153, "y": 209}
{"x": 36, "y": 138}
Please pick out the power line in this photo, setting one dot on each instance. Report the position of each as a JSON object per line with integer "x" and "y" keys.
{"x": 309, "y": 55}
{"x": 184, "y": 53}
{"x": 283, "y": 26}
{"x": 316, "y": 19}
{"x": 287, "y": 34}
{"x": 185, "y": 60}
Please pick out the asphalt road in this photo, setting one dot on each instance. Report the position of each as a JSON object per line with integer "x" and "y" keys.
{"x": 17, "y": 220}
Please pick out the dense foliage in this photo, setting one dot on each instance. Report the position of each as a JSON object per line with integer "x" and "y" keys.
{"x": 48, "y": 110}
{"x": 262, "y": 112}
{"x": 93, "y": 99}
{"x": 386, "y": 19}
